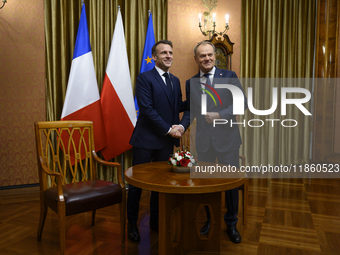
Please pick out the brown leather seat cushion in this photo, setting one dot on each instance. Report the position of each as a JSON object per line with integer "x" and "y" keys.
{"x": 84, "y": 196}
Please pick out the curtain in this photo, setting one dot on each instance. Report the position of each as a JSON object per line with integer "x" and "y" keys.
{"x": 277, "y": 41}
{"x": 61, "y": 26}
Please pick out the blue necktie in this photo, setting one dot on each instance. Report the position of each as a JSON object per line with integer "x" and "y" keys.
{"x": 208, "y": 82}
{"x": 208, "y": 79}
{"x": 168, "y": 82}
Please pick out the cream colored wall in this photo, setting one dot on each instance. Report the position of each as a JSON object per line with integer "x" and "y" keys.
{"x": 22, "y": 89}
{"x": 184, "y": 32}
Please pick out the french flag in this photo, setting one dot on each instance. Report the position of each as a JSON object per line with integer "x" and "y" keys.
{"x": 117, "y": 97}
{"x": 82, "y": 101}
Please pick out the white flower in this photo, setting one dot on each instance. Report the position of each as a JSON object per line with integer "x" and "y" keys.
{"x": 175, "y": 159}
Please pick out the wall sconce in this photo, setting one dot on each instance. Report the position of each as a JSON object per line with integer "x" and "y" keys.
{"x": 3, "y": 3}
{"x": 213, "y": 31}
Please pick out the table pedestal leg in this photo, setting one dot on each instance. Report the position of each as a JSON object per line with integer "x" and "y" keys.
{"x": 179, "y": 231}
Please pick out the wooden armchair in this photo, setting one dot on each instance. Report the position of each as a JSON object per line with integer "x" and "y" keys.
{"x": 67, "y": 174}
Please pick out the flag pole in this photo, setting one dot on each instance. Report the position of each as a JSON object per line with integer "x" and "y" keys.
{"x": 122, "y": 155}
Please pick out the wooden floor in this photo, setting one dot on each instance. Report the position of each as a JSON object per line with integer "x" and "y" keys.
{"x": 285, "y": 216}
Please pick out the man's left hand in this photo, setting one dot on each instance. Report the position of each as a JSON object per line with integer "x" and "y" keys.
{"x": 179, "y": 128}
{"x": 210, "y": 116}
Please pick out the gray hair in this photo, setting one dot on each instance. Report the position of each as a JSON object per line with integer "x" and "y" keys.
{"x": 203, "y": 43}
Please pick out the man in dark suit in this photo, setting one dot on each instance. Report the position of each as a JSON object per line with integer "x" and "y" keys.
{"x": 158, "y": 127}
{"x": 221, "y": 142}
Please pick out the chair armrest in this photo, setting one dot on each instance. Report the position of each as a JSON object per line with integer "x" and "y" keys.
{"x": 45, "y": 168}
{"x": 112, "y": 164}
{"x": 57, "y": 176}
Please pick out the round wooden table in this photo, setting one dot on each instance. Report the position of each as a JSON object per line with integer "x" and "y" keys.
{"x": 181, "y": 197}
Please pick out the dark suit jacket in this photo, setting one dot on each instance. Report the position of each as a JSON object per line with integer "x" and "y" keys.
{"x": 157, "y": 112}
{"x": 223, "y": 137}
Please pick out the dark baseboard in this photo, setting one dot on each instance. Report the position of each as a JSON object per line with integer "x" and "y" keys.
{"x": 20, "y": 186}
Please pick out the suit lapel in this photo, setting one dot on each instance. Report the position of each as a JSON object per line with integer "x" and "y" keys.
{"x": 162, "y": 85}
{"x": 197, "y": 77}
{"x": 218, "y": 74}
{"x": 195, "y": 92}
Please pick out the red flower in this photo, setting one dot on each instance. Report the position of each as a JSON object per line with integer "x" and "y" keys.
{"x": 185, "y": 156}
{"x": 184, "y": 162}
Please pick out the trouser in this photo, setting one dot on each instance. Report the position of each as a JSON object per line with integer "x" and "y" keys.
{"x": 231, "y": 196}
{"x": 140, "y": 156}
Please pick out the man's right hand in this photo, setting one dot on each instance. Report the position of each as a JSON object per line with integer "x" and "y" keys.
{"x": 176, "y": 131}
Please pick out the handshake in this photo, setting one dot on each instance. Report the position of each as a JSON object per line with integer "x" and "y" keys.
{"x": 176, "y": 131}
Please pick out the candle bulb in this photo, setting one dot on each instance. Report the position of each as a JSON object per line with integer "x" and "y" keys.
{"x": 214, "y": 17}
{"x": 227, "y": 19}
{"x": 199, "y": 17}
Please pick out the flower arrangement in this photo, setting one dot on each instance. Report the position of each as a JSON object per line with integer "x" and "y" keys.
{"x": 182, "y": 159}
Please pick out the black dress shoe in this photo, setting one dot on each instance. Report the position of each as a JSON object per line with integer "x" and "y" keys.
{"x": 133, "y": 233}
{"x": 205, "y": 228}
{"x": 233, "y": 234}
{"x": 154, "y": 226}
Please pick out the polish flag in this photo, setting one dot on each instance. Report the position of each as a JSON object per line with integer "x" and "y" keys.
{"x": 82, "y": 101}
{"x": 117, "y": 97}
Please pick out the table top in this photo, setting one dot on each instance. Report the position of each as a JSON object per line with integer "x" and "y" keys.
{"x": 160, "y": 177}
